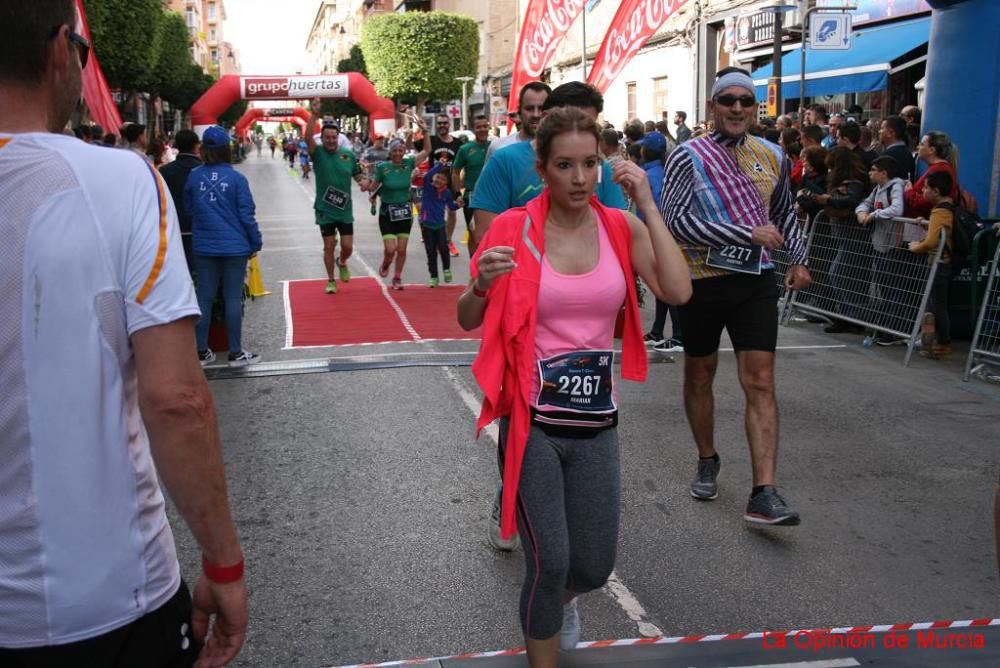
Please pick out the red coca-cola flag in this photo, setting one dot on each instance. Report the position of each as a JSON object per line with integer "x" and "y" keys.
{"x": 633, "y": 25}
{"x": 545, "y": 23}
{"x": 95, "y": 87}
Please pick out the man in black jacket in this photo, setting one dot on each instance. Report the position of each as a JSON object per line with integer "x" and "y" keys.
{"x": 892, "y": 135}
{"x": 175, "y": 174}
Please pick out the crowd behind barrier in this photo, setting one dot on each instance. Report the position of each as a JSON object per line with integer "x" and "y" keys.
{"x": 864, "y": 275}
{"x": 984, "y": 352}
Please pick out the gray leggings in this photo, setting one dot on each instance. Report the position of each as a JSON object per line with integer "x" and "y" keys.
{"x": 567, "y": 511}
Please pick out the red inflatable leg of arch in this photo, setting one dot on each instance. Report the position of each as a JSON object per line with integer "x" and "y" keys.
{"x": 232, "y": 87}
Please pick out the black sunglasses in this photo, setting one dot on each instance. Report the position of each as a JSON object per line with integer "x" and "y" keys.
{"x": 81, "y": 42}
{"x": 730, "y": 100}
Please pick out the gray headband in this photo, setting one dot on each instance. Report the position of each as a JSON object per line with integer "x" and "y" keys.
{"x": 733, "y": 79}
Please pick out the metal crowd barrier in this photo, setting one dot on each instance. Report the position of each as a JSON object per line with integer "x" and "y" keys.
{"x": 866, "y": 276}
{"x": 984, "y": 352}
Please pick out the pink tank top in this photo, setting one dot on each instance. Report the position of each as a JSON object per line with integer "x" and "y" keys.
{"x": 577, "y": 312}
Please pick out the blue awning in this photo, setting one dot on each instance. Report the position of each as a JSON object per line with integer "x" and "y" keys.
{"x": 863, "y": 68}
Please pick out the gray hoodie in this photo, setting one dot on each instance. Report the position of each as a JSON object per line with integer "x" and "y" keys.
{"x": 884, "y": 203}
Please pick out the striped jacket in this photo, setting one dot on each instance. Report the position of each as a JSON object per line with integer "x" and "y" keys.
{"x": 717, "y": 189}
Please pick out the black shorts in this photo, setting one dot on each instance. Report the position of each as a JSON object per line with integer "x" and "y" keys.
{"x": 746, "y": 305}
{"x": 393, "y": 229}
{"x": 329, "y": 228}
{"x": 159, "y": 639}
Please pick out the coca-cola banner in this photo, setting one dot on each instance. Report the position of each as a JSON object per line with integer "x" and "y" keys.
{"x": 633, "y": 25}
{"x": 96, "y": 93}
{"x": 545, "y": 23}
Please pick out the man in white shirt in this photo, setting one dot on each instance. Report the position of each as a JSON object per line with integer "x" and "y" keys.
{"x": 101, "y": 381}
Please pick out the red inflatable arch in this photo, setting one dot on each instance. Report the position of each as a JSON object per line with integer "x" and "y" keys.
{"x": 278, "y": 119}
{"x": 281, "y": 115}
{"x": 233, "y": 87}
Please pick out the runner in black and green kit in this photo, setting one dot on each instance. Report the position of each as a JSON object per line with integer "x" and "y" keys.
{"x": 334, "y": 167}
{"x": 465, "y": 171}
{"x": 395, "y": 216}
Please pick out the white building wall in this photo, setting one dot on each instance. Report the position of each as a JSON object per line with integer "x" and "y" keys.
{"x": 674, "y": 62}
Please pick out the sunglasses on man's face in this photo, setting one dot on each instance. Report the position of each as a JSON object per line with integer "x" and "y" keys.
{"x": 81, "y": 42}
{"x": 730, "y": 100}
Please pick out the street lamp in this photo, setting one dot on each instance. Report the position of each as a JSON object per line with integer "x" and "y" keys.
{"x": 805, "y": 28}
{"x": 778, "y": 8}
{"x": 465, "y": 107}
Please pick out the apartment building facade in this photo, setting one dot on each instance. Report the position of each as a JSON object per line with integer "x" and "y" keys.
{"x": 205, "y": 20}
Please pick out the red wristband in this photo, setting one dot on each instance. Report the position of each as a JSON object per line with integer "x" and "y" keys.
{"x": 222, "y": 574}
{"x": 477, "y": 292}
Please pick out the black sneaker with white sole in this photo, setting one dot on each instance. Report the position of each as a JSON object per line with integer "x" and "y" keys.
{"x": 243, "y": 358}
{"x": 767, "y": 507}
{"x": 671, "y": 345}
{"x": 206, "y": 357}
{"x": 704, "y": 486}
{"x": 651, "y": 339}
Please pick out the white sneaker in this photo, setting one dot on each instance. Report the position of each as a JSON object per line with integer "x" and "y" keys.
{"x": 243, "y": 358}
{"x": 569, "y": 636}
{"x": 493, "y": 530}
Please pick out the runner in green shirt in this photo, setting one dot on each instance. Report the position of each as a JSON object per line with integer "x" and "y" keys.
{"x": 334, "y": 167}
{"x": 465, "y": 172}
{"x": 391, "y": 180}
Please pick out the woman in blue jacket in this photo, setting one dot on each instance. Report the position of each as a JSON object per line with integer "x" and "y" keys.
{"x": 225, "y": 236}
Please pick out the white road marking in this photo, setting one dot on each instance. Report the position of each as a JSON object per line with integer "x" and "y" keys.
{"x": 288, "y": 314}
{"x": 614, "y": 588}
{"x": 825, "y": 663}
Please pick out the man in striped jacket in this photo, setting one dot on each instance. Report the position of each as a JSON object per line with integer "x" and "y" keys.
{"x": 727, "y": 200}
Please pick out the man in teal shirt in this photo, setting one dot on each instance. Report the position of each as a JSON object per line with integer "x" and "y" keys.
{"x": 465, "y": 171}
{"x": 334, "y": 167}
{"x": 510, "y": 179}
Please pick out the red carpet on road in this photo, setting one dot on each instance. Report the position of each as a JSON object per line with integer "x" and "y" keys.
{"x": 360, "y": 313}
{"x": 433, "y": 312}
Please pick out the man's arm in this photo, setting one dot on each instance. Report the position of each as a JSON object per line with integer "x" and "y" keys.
{"x": 492, "y": 195}
{"x": 675, "y": 207}
{"x": 782, "y": 215}
{"x": 311, "y": 124}
{"x": 457, "y": 177}
{"x": 179, "y": 415}
{"x": 483, "y": 219}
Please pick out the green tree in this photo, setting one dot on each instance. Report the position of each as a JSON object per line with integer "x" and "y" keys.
{"x": 170, "y": 74}
{"x": 235, "y": 112}
{"x": 341, "y": 107}
{"x": 419, "y": 54}
{"x": 193, "y": 85}
{"x": 125, "y": 36}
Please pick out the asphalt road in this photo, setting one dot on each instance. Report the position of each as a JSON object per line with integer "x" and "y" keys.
{"x": 362, "y": 496}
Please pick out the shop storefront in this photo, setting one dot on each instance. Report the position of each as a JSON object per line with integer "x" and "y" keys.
{"x": 879, "y": 72}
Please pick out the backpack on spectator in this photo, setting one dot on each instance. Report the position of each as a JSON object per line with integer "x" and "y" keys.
{"x": 963, "y": 230}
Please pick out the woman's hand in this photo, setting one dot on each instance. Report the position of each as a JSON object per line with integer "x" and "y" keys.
{"x": 494, "y": 263}
{"x": 632, "y": 179}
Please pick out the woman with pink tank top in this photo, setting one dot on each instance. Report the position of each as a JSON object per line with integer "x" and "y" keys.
{"x": 549, "y": 281}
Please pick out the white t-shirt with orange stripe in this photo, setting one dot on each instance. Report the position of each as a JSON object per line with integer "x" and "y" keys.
{"x": 90, "y": 252}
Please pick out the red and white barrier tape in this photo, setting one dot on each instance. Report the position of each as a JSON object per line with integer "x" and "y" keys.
{"x": 634, "y": 642}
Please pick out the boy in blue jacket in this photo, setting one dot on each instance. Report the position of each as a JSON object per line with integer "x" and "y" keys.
{"x": 436, "y": 196}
